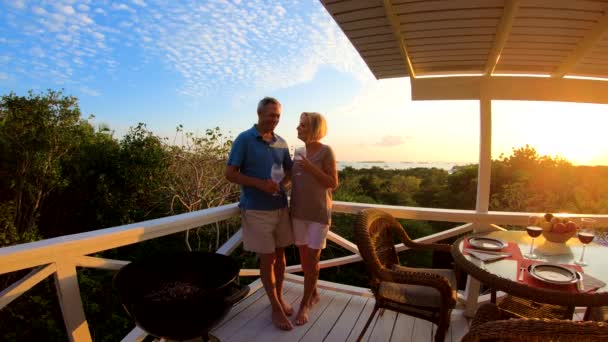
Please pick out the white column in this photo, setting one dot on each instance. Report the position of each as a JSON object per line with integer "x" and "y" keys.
{"x": 483, "y": 188}
{"x": 66, "y": 281}
{"x": 485, "y": 157}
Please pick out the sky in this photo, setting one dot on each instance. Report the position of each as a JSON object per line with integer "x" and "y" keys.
{"x": 205, "y": 64}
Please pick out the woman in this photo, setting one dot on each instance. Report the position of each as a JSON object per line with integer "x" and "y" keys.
{"x": 314, "y": 177}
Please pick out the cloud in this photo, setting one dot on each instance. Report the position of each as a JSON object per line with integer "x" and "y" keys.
{"x": 3, "y": 76}
{"x": 235, "y": 46}
{"x": 18, "y": 4}
{"x": 392, "y": 140}
{"x": 89, "y": 91}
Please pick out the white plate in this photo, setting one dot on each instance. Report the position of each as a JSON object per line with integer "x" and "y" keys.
{"x": 553, "y": 274}
{"x": 486, "y": 243}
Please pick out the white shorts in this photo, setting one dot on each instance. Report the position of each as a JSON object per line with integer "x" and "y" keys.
{"x": 308, "y": 233}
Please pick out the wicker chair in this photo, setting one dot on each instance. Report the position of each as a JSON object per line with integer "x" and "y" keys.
{"x": 428, "y": 294}
{"x": 492, "y": 324}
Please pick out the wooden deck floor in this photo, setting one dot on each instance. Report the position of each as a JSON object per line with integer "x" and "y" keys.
{"x": 337, "y": 317}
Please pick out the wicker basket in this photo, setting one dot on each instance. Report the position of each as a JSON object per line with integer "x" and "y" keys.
{"x": 558, "y": 237}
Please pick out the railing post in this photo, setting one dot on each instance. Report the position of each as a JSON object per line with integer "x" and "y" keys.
{"x": 485, "y": 157}
{"x": 68, "y": 292}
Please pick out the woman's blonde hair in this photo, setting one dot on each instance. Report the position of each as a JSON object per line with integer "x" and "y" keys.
{"x": 318, "y": 125}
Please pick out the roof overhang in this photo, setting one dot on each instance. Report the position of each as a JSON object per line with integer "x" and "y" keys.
{"x": 510, "y": 88}
{"x": 556, "y": 39}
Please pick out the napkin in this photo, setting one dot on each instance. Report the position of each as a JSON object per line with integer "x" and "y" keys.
{"x": 487, "y": 257}
{"x": 590, "y": 283}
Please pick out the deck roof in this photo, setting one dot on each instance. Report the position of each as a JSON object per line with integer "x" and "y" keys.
{"x": 556, "y": 39}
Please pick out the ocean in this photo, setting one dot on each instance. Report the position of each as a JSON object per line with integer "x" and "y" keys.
{"x": 397, "y": 165}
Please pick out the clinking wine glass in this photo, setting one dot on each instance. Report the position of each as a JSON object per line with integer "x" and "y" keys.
{"x": 585, "y": 236}
{"x": 277, "y": 174}
{"x": 534, "y": 232}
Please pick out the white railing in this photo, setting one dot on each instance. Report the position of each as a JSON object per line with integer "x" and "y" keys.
{"x": 60, "y": 256}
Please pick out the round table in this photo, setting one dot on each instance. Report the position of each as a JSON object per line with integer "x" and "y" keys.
{"x": 501, "y": 275}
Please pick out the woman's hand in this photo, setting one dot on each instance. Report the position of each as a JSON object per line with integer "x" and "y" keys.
{"x": 305, "y": 164}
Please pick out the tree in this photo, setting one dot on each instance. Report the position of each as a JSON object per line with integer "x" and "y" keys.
{"x": 37, "y": 133}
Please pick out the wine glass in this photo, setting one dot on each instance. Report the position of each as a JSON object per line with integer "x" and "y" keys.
{"x": 298, "y": 154}
{"x": 585, "y": 236}
{"x": 534, "y": 232}
{"x": 277, "y": 174}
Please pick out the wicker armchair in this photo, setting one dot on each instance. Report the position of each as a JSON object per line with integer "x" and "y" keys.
{"x": 492, "y": 324}
{"x": 423, "y": 293}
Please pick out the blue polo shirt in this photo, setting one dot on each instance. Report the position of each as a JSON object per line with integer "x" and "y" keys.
{"x": 254, "y": 158}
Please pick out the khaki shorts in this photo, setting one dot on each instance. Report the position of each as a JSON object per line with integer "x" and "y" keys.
{"x": 266, "y": 230}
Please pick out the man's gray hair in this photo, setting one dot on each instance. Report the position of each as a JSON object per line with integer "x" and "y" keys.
{"x": 263, "y": 102}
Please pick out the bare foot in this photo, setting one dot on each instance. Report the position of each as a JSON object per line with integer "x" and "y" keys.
{"x": 302, "y": 316}
{"x": 280, "y": 320}
{"x": 287, "y": 309}
{"x": 315, "y": 298}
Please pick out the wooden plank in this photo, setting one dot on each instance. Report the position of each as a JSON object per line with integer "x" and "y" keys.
{"x": 136, "y": 335}
{"x": 256, "y": 291}
{"x": 316, "y": 313}
{"x": 322, "y": 326}
{"x": 582, "y": 5}
{"x": 450, "y": 32}
{"x": 404, "y": 326}
{"x": 451, "y": 40}
{"x": 437, "y": 6}
{"x": 381, "y": 52}
{"x": 549, "y": 31}
{"x": 100, "y": 263}
{"x": 346, "y": 322}
{"x": 328, "y": 285}
{"x": 367, "y": 13}
{"x": 532, "y": 57}
{"x": 540, "y": 22}
{"x": 538, "y": 38}
{"x": 534, "y": 52}
{"x": 540, "y": 45}
{"x": 389, "y": 68}
{"x": 492, "y": 13}
{"x": 447, "y": 58}
{"x": 468, "y": 63}
{"x": 459, "y": 325}
{"x": 27, "y": 282}
{"x": 528, "y": 62}
{"x": 365, "y": 24}
{"x": 383, "y": 329}
{"x": 47, "y": 251}
{"x": 368, "y": 32}
{"x": 360, "y": 323}
{"x": 384, "y": 58}
{"x": 348, "y": 6}
{"x": 256, "y": 316}
{"x": 342, "y": 242}
{"x": 449, "y": 24}
{"x": 458, "y": 52}
{"x": 557, "y": 13}
{"x": 449, "y": 47}
{"x": 524, "y": 69}
{"x": 392, "y": 44}
{"x": 68, "y": 293}
{"x": 373, "y": 39}
{"x": 422, "y": 330}
{"x": 232, "y": 243}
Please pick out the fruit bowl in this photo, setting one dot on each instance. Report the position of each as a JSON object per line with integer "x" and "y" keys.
{"x": 558, "y": 237}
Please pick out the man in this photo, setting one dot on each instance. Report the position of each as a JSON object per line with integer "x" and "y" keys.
{"x": 264, "y": 214}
